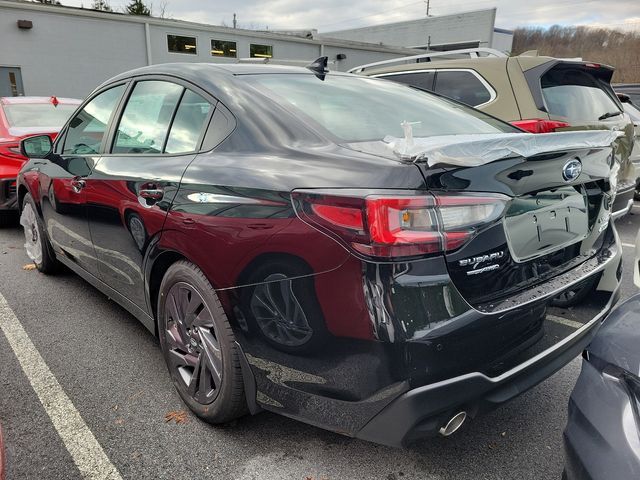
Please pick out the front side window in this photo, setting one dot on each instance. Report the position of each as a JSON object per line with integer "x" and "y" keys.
{"x": 359, "y": 109}
{"x": 88, "y": 127}
{"x": 222, "y": 48}
{"x": 145, "y": 121}
{"x": 462, "y": 86}
{"x": 260, "y": 51}
{"x": 577, "y": 96}
{"x": 180, "y": 44}
{"x": 422, "y": 80}
{"x": 188, "y": 123}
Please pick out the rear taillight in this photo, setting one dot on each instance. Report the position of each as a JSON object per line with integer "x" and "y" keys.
{"x": 539, "y": 125}
{"x": 399, "y": 226}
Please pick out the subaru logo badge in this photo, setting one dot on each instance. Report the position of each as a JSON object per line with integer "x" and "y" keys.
{"x": 571, "y": 170}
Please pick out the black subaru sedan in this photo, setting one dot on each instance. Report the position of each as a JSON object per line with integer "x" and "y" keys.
{"x": 308, "y": 243}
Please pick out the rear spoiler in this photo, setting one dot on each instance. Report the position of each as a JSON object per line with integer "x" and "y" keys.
{"x": 479, "y": 149}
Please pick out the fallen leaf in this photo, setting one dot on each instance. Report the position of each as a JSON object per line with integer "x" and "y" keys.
{"x": 119, "y": 421}
{"x": 178, "y": 416}
{"x": 29, "y": 266}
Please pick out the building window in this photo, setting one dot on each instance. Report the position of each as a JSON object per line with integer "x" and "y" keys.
{"x": 180, "y": 44}
{"x": 222, "y": 48}
{"x": 260, "y": 51}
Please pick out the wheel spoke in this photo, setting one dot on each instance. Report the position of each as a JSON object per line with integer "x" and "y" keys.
{"x": 174, "y": 338}
{"x": 203, "y": 319}
{"x": 183, "y": 359}
{"x": 211, "y": 351}
{"x": 174, "y": 314}
{"x": 195, "y": 377}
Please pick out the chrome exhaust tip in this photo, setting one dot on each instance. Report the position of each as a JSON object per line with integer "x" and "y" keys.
{"x": 453, "y": 424}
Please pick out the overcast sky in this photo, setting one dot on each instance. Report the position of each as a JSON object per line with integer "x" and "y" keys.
{"x": 328, "y": 15}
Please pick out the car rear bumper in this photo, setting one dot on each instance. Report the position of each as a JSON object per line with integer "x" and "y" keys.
{"x": 422, "y": 411}
{"x": 8, "y": 197}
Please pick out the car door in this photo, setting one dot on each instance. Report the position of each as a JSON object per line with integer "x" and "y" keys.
{"x": 62, "y": 178}
{"x": 130, "y": 190}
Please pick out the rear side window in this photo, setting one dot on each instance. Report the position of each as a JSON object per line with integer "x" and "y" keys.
{"x": 146, "y": 118}
{"x": 87, "y": 128}
{"x": 423, "y": 80}
{"x": 576, "y": 96}
{"x": 462, "y": 86}
{"x": 188, "y": 124}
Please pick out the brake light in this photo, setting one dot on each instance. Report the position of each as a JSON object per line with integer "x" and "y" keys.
{"x": 539, "y": 125}
{"x": 399, "y": 226}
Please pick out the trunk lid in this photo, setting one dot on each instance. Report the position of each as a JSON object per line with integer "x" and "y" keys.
{"x": 550, "y": 225}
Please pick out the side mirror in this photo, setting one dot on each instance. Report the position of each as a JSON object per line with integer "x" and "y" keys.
{"x": 39, "y": 146}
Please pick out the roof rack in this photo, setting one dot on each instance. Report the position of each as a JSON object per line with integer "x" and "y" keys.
{"x": 279, "y": 61}
{"x": 470, "y": 52}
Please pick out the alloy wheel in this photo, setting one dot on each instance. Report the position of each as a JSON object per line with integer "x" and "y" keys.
{"x": 32, "y": 240}
{"x": 193, "y": 349}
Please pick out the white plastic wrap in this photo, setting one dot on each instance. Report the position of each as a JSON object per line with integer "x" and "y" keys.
{"x": 478, "y": 149}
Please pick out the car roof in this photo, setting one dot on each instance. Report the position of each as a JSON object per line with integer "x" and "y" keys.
{"x": 198, "y": 71}
{"x": 39, "y": 100}
{"x": 527, "y": 62}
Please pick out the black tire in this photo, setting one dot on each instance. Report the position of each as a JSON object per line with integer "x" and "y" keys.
{"x": 576, "y": 294}
{"x": 226, "y": 401}
{"x": 48, "y": 263}
{"x": 273, "y": 275}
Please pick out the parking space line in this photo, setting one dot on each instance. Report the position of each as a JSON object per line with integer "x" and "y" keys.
{"x": 565, "y": 321}
{"x": 630, "y": 245}
{"x": 85, "y": 450}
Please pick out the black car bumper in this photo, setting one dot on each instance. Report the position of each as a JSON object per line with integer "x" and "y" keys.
{"x": 8, "y": 197}
{"x": 424, "y": 410}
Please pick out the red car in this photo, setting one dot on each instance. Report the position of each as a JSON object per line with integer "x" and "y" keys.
{"x": 21, "y": 117}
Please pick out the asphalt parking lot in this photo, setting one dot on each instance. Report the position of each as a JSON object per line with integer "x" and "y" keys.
{"x": 111, "y": 369}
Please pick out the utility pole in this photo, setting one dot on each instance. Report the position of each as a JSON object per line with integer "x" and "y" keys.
{"x": 428, "y": 2}
{"x": 234, "y": 20}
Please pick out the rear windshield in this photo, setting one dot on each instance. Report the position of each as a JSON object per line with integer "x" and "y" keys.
{"x": 577, "y": 96}
{"x": 358, "y": 109}
{"x": 37, "y": 114}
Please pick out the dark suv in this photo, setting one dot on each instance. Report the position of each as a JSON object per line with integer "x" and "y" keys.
{"x": 536, "y": 93}
{"x": 290, "y": 260}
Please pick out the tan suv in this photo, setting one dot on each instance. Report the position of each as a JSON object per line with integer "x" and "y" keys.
{"x": 538, "y": 94}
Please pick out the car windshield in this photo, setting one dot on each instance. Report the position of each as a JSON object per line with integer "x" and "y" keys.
{"x": 357, "y": 109}
{"x": 37, "y": 114}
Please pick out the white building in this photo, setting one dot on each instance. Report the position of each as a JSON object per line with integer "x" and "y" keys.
{"x": 67, "y": 51}
{"x": 447, "y": 32}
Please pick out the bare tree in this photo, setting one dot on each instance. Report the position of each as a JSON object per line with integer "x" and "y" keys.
{"x": 598, "y": 45}
{"x": 102, "y": 5}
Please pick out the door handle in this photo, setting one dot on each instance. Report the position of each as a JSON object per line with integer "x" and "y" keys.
{"x": 77, "y": 184}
